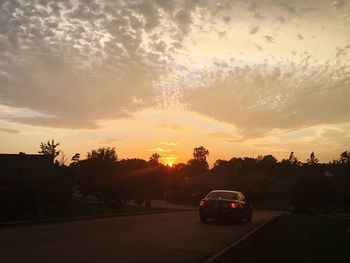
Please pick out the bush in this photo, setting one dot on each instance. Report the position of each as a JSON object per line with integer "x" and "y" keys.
{"x": 173, "y": 195}
{"x": 139, "y": 201}
{"x": 317, "y": 194}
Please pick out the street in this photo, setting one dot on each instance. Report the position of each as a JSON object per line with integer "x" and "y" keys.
{"x": 171, "y": 237}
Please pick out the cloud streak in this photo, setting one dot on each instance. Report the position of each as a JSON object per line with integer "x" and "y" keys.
{"x": 13, "y": 131}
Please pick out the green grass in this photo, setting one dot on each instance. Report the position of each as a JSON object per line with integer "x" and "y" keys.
{"x": 302, "y": 238}
{"x": 340, "y": 208}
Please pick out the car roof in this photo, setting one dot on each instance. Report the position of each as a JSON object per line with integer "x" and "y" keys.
{"x": 227, "y": 191}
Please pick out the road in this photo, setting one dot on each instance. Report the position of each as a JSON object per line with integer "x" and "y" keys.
{"x": 171, "y": 237}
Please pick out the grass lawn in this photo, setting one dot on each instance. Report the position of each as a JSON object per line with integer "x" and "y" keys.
{"x": 302, "y": 238}
{"x": 86, "y": 207}
{"x": 272, "y": 205}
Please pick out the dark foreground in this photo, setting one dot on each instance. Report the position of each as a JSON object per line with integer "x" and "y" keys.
{"x": 173, "y": 237}
{"x": 301, "y": 238}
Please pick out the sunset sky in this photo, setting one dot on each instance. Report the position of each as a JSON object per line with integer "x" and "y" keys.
{"x": 240, "y": 77}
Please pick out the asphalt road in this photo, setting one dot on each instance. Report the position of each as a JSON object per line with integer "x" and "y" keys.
{"x": 171, "y": 237}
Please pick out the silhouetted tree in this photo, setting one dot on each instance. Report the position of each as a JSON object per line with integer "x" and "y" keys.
{"x": 267, "y": 164}
{"x": 293, "y": 159}
{"x": 105, "y": 154}
{"x": 312, "y": 160}
{"x": 301, "y": 196}
{"x": 76, "y": 158}
{"x": 50, "y": 149}
{"x": 200, "y": 153}
{"x": 154, "y": 159}
{"x": 196, "y": 167}
{"x": 198, "y": 164}
{"x": 75, "y": 162}
{"x": 63, "y": 159}
{"x": 268, "y": 159}
{"x": 219, "y": 163}
{"x": 323, "y": 194}
{"x": 345, "y": 157}
{"x": 98, "y": 176}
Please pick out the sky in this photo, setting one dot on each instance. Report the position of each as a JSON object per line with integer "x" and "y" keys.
{"x": 239, "y": 77}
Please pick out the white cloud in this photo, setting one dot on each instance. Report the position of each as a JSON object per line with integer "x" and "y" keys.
{"x": 259, "y": 98}
{"x": 80, "y": 61}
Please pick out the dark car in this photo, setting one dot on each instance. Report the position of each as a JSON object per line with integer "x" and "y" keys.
{"x": 225, "y": 204}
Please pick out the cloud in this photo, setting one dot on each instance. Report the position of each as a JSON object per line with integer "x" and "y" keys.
{"x": 110, "y": 141}
{"x": 281, "y": 19}
{"x": 269, "y": 39}
{"x": 290, "y": 9}
{"x": 171, "y": 144}
{"x": 166, "y": 158}
{"x": 7, "y": 130}
{"x": 170, "y": 125}
{"x": 219, "y": 135}
{"x": 160, "y": 150}
{"x": 227, "y": 19}
{"x": 258, "y": 98}
{"x": 83, "y": 61}
{"x": 254, "y": 30}
{"x": 253, "y": 10}
{"x": 258, "y": 47}
{"x": 337, "y": 4}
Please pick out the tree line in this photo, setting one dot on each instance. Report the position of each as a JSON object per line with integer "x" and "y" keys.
{"x": 114, "y": 181}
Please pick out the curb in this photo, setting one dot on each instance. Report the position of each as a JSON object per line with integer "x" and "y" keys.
{"x": 49, "y": 221}
{"x": 341, "y": 217}
{"x": 233, "y": 251}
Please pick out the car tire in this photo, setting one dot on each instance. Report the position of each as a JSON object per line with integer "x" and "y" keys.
{"x": 203, "y": 219}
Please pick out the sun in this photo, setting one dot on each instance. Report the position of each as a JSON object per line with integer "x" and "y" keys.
{"x": 170, "y": 164}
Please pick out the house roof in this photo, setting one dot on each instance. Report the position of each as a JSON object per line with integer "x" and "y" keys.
{"x": 24, "y": 165}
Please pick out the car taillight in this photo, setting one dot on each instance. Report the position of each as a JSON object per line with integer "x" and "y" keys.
{"x": 201, "y": 203}
{"x": 234, "y": 205}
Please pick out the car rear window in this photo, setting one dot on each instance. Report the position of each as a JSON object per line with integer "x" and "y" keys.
{"x": 223, "y": 195}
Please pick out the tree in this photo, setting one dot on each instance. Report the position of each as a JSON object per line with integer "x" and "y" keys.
{"x": 198, "y": 164}
{"x": 312, "y": 160}
{"x": 301, "y": 196}
{"x": 293, "y": 159}
{"x": 97, "y": 170}
{"x": 105, "y": 154}
{"x": 100, "y": 176}
{"x": 63, "y": 159}
{"x": 76, "y": 158}
{"x": 154, "y": 159}
{"x": 220, "y": 162}
{"x": 267, "y": 164}
{"x": 50, "y": 149}
{"x": 345, "y": 157}
{"x": 268, "y": 159}
{"x": 200, "y": 153}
